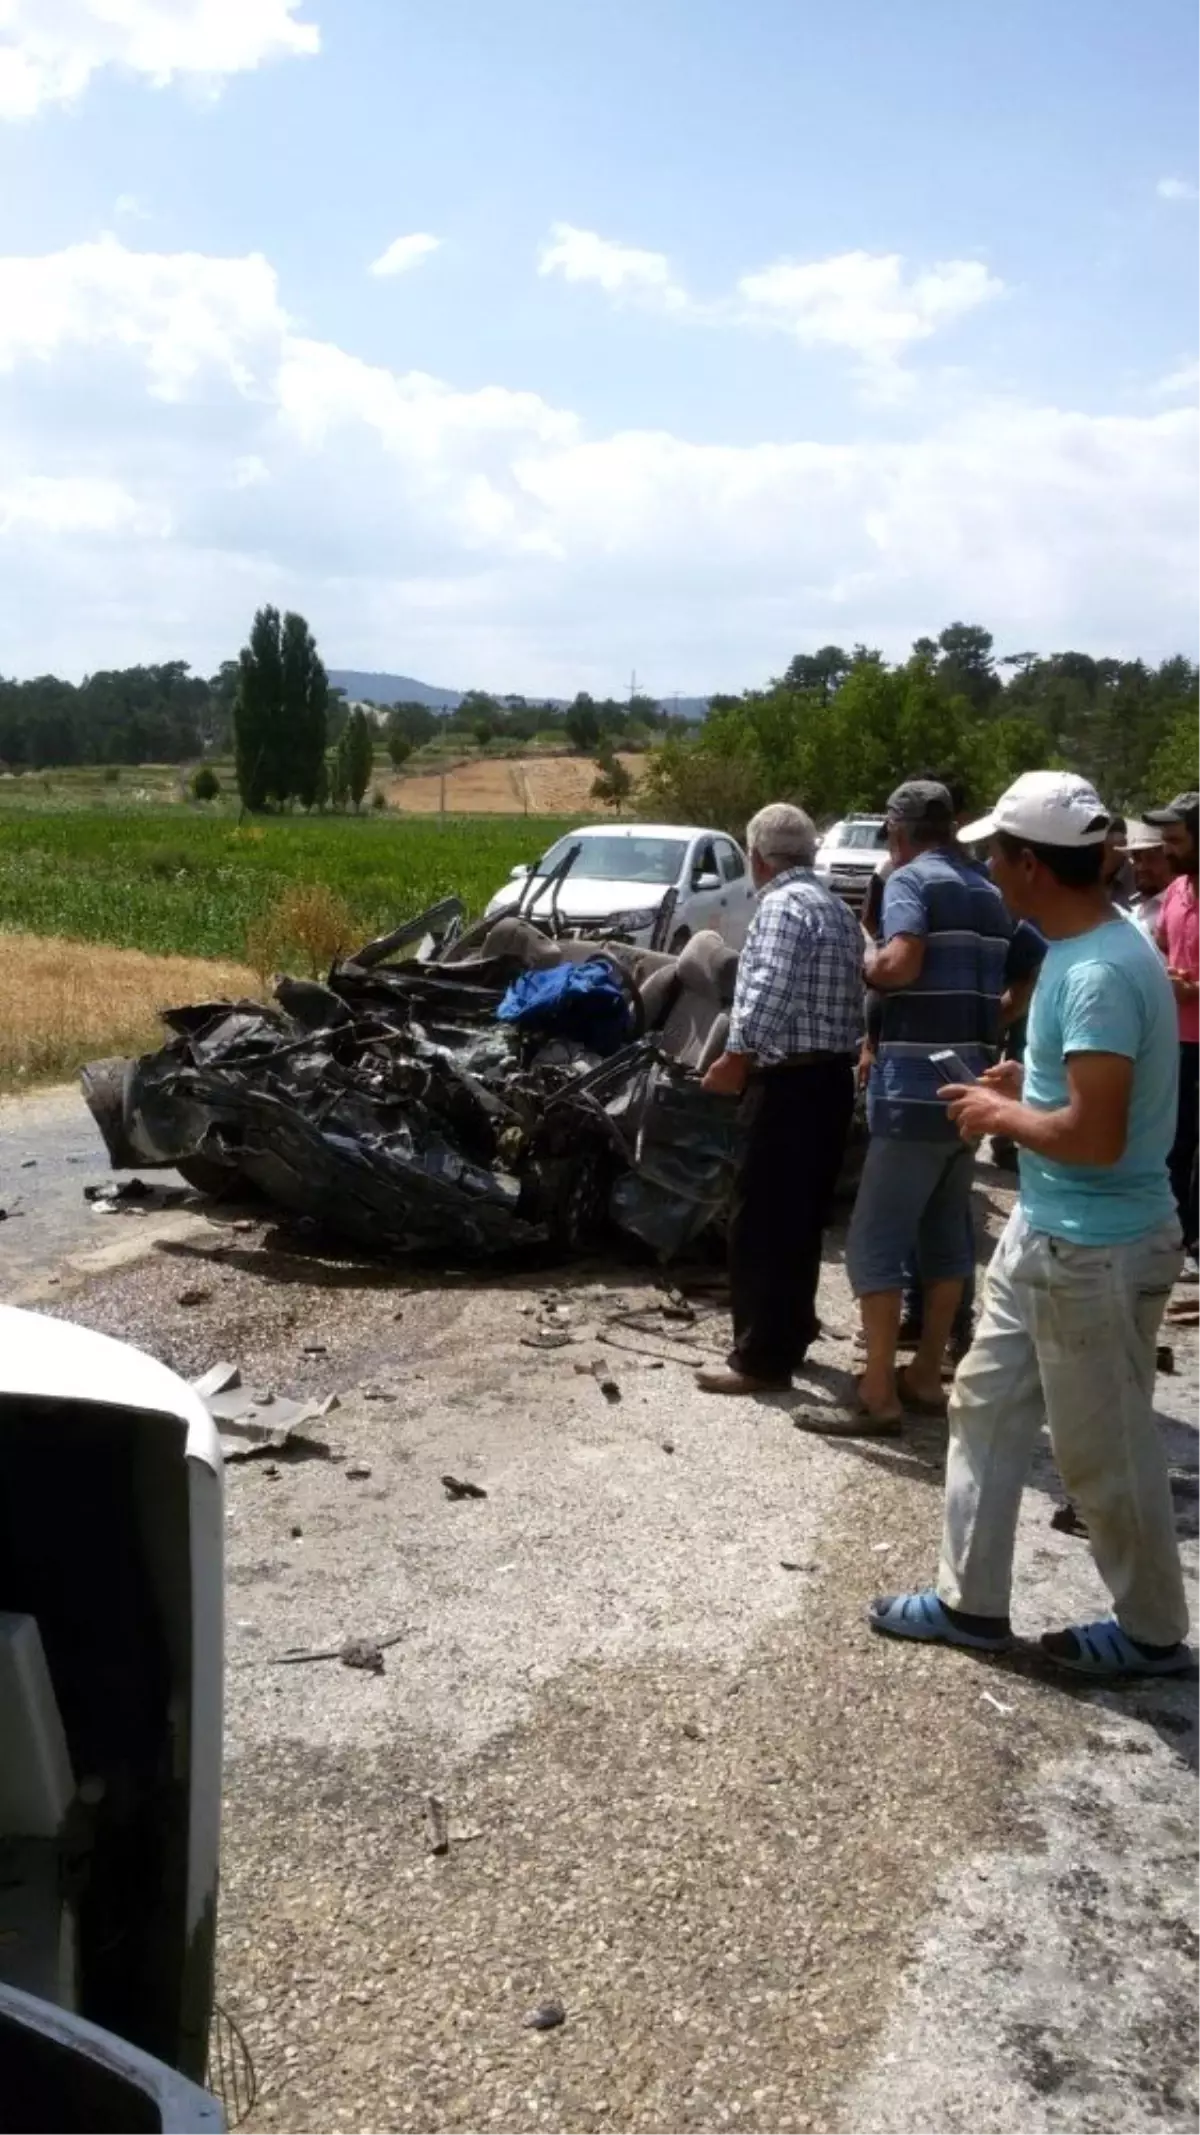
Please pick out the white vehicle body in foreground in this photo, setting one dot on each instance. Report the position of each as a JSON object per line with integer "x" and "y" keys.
{"x": 622, "y": 875}
{"x": 111, "y": 1685}
{"x": 849, "y": 854}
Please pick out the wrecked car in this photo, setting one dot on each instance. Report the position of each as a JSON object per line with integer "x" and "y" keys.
{"x": 505, "y": 1086}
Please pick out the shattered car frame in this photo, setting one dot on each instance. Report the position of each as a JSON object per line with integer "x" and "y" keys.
{"x": 391, "y": 1107}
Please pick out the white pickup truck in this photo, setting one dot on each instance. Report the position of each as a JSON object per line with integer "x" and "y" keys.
{"x": 622, "y": 876}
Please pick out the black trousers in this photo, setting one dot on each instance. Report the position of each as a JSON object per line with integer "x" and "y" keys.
{"x": 1182, "y": 1161}
{"x": 794, "y": 1123}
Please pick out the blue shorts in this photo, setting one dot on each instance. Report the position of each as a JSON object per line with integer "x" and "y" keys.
{"x": 914, "y": 1197}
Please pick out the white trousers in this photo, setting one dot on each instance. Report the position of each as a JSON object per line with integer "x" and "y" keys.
{"x": 1067, "y": 1337}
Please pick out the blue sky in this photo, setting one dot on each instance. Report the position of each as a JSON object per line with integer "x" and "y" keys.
{"x": 736, "y": 328}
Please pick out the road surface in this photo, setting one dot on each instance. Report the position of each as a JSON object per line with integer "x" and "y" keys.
{"x": 779, "y": 1874}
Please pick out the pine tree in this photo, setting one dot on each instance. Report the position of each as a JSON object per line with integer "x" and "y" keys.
{"x": 256, "y": 712}
{"x": 305, "y": 692}
{"x": 279, "y": 713}
{"x": 359, "y": 754}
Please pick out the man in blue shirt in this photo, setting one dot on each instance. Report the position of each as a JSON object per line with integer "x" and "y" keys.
{"x": 940, "y": 974}
{"x": 1077, "y": 1287}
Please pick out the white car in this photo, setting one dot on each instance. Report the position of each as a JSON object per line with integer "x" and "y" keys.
{"x": 621, "y": 876}
{"x": 849, "y": 854}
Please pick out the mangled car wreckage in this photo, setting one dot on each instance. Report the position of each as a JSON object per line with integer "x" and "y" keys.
{"x": 501, "y": 1087}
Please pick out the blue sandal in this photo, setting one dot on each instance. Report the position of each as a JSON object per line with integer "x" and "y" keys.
{"x": 1104, "y": 1649}
{"x": 924, "y": 1616}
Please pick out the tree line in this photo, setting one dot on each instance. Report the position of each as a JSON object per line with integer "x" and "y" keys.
{"x": 838, "y": 730}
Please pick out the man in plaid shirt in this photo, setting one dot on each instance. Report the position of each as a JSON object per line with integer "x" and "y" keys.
{"x": 790, "y": 1055}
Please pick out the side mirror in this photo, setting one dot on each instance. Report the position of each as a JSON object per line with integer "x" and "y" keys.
{"x": 519, "y": 873}
{"x": 706, "y": 881}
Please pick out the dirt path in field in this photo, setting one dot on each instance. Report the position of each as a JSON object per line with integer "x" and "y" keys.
{"x": 533, "y": 785}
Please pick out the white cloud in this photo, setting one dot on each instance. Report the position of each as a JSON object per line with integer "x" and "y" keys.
{"x": 1176, "y": 189}
{"x": 173, "y": 451}
{"x": 622, "y": 271}
{"x": 50, "y": 49}
{"x": 869, "y": 304}
{"x": 1181, "y": 383}
{"x": 404, "y": 253}
{"x": 179, "y": 314}
{"x": 865, "y": 302}
{"x": 73, "y": 504}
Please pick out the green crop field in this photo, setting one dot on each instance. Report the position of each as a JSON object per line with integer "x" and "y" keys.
{"x": 173, "y": 881}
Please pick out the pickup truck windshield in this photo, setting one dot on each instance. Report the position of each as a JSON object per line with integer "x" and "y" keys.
{"x": 862, "y": 834}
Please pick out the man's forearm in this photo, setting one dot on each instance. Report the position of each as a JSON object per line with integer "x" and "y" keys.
{"x": 1059, "y": 1134}
{"x": 895, "y": 964}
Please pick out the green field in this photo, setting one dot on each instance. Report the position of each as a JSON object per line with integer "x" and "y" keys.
{"x": 173, "y": 881}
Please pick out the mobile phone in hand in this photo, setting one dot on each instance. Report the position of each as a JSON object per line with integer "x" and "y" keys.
{"x": 949, "y": 1068}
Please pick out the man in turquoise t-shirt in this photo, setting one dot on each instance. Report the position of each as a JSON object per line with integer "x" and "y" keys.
{"x": 1077, "y": 1287}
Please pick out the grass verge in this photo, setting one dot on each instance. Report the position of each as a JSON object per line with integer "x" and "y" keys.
{"x": 67, "y": 1002}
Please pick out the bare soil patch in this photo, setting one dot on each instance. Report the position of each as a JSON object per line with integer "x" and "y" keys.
{"x": 533, "y": 785}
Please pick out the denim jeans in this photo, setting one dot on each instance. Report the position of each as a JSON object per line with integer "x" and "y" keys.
{"x": 1067, "y": 1338}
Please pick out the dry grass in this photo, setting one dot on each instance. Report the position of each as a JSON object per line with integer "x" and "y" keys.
{"x": 70, "y": 1001}
{"x": 308, "y": 924}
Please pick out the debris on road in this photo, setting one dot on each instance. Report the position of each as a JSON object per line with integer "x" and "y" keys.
{"x": 365, "y": 1653}
{"x": 254, "y": 1425}
{"x": 1067, "y": 1521}
{"x": 357, "y": 1471}
{"x": 218, "y": 1379}
{"x": 455, "y": 1488}
{"x": 609, "y": 1387}
{"x": 546, "y": 2017}
{"x": 193, "y": 1297}
{"x": 437, "y": 1829}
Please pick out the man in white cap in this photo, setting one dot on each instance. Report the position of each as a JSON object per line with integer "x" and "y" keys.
{"x": 1079, "y": 1280}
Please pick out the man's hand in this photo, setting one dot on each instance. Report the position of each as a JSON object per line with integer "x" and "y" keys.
{"x": 1008, "y": 1077}
{"x": 727, "y": 1076}
{"x": 866, "y": 1061}
{"x": 977, "y": 1110}
{"x": 1183, "y": 985}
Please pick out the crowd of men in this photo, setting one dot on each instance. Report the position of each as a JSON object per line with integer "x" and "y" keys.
{"x": 1032, "y": 977}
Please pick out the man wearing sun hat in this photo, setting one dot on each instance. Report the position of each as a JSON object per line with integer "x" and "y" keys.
{"x": 1078, "y": 1282}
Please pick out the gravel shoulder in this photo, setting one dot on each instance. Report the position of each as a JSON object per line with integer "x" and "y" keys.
{"x": 780, "y": 1874}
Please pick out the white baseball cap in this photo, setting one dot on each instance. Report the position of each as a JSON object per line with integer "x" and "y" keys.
{"x": 1045, "y": 808}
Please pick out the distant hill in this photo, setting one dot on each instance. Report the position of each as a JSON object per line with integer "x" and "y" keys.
{"x": 405, "y": 689}
{"x": 394, "y": 689}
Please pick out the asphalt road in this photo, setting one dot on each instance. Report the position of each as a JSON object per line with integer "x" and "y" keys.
{"x": 779, "y": 1874}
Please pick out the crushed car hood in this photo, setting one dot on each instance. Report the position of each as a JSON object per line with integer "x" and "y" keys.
{"x": 390, "y": 1107}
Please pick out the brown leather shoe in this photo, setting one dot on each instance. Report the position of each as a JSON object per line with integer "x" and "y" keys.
{"x": 739, "y": 1382}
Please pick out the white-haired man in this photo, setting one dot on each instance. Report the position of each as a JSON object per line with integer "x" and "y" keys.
{"x": 790, "y": 1056}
